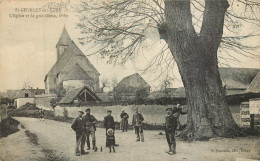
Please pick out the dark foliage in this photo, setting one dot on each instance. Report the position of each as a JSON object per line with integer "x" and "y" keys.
{"x": 8, "y": 126}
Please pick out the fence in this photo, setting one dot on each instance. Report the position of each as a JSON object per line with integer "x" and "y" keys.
{"x": 3, "y": 112}
{"x": 153, "y": 114}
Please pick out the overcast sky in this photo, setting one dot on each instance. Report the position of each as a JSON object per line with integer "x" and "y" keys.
{"x": 27, "y": 48}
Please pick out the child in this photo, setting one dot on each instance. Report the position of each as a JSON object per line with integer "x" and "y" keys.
{"x": 111, "y": 140}
{"x": 41, "y": 113}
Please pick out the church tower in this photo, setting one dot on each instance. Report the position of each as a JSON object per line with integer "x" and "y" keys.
{"x": 63, "y": 43}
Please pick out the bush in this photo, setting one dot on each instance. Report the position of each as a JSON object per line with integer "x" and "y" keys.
{"x": 28, "y": 106}
{"x": 8, "y": 126}
{"x": 32, "y": 137}
{"x": 29, "y": 113}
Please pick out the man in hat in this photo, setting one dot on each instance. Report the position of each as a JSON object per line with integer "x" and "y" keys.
{"x": 109, "y": 123}
{"x": 170, "y": 127}
{"x": 79, "y": 127}
{"x": 90, "y": 129}
{"x": 137, "y": 124}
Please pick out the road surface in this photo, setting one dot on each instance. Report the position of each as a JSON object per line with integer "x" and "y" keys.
{"x": 58, "y": 136}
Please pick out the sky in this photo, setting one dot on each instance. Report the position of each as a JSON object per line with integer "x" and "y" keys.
{"x": 27, "y": 47}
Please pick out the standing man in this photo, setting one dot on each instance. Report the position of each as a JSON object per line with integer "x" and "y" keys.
{"x": 170, "y": 127}
{"x": 109, "y": 123}
{"x": 137, "y": 124}
{"x": 78, "y": 126}
{"x": 90, "y": 129}
{"x": 124, "y": 121}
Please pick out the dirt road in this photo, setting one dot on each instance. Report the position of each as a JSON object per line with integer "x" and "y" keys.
{"x": 17, "y": 147}
{"x": 58, "y": 136}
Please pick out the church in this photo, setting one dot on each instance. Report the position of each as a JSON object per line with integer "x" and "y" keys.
{"x": 72, "y": 69}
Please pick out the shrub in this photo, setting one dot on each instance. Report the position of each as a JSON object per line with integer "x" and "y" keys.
{"x": 8, "y": 126}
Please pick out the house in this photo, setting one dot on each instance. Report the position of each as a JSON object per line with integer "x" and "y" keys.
{"x": 72, "y": 69}
{"x": 237, "y": 80}
{"x": 79, "y": 96}
{"x": 129, "y": 86}
{"x": 254, "y": 86}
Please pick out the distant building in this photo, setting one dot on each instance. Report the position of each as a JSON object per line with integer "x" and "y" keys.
{"x": 238, "y": 83}
{"x": 79, "y": 96}
{"x": 254, "y": 86}
{"x": 72, "y": 69}
{"x": 237, "y": 80}
{"x": 24, "y": 93}
{"x": 129, "y": 86}
{"x": 24, "y": 96}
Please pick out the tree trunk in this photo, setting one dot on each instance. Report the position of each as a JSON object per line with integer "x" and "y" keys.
{"x": 196, "y": 57}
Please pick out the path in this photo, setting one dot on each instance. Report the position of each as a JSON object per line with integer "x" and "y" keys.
{"x": 60, "y": 137}
{"x": 17, "y": 147}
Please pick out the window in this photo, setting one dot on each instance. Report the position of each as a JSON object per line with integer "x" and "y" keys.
{"x": 55, "y": 80}
{"x": 26, "y": 95}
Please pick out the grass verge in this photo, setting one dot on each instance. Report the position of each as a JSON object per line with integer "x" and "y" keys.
{"x": 49, "y": 154}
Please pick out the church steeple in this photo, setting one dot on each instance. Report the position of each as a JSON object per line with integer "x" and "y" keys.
{"x": 63, "y": 42}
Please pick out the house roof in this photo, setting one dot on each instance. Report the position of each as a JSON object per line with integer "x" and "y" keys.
{"x": 72, "y": 94}
{"x": 72, "y": 54}
{"x": 17, "y": 93}
{"x": 132, "y": 81}
{"x": 23, "y": 91}
{"x": 254, "y": 86}
{"x": 237, "y": 78}
{"x": 64, "y": 38}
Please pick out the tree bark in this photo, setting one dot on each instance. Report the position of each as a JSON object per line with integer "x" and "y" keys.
{"x": 196, "y": 57}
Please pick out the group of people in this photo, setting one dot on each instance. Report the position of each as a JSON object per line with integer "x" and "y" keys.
{"x": 85, "y": 126}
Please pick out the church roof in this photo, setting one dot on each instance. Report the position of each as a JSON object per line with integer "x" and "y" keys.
{"x": 64, "y": 38}
{"x": 76, "y": 72}
{"x": 254, "y": 86}
{"x": 74, "y": 54}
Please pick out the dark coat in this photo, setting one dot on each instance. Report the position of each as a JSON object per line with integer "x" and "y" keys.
{"x": 109, "y": 122}
{"x": 170, "y": 123}
{"x": 78, "y": 124}
{"x": 110, "y": 140}
{"x": 90, "y": 120}
{"x": 137, "y": 119}
{"x": 124, "y": 121}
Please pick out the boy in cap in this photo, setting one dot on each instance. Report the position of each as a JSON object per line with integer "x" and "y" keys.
{"x": 78, "y": 126}
{"x": 170, "y": 127}
{"x": 90, "y": 129}
{"x": 137, "y": 124}
{"x": 109, "y": 123}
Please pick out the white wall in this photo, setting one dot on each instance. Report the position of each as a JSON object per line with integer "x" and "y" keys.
{"x": 23, "y": 101}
